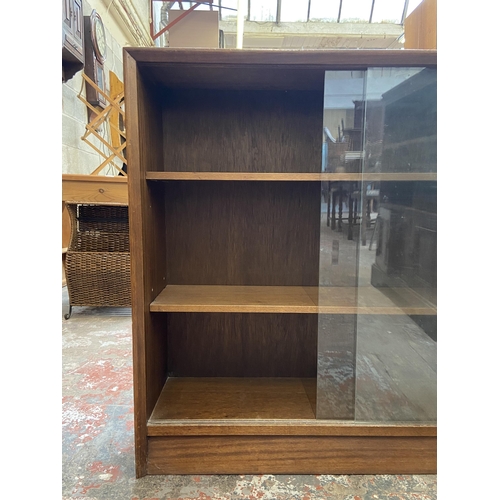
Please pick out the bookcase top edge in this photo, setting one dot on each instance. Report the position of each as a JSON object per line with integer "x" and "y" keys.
{"x": 299, "y": 57}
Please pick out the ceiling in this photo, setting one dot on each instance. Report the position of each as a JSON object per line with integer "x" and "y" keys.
{"x": 311, "y": 24}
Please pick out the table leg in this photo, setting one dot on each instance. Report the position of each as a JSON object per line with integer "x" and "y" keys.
{"x": 340, "y": 209}
{"x": 328, "y": 206}
{"x": 333, "y": 211}
{"x": 349, "y": 224}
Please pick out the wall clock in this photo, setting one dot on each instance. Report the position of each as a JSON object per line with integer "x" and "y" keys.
{"x": 98, "y": 36}
{"x": 95, "y": 55}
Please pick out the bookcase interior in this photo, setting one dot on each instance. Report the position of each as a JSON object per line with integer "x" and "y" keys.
{"x": 233, "y": 310}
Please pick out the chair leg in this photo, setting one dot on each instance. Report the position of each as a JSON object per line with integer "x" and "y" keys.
{"x": 349, "y": 223}
{"x": 333, "y": 211}
{"x": 373, "y": 234}
{"x": 68, "y": 314}
{"x": 340, "y": 210}
{"x": 366, "y": 223}
{"x": 328, "y": 207}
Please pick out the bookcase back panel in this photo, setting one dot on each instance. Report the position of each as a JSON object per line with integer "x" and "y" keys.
{"x": 241, "y": 345}
{"x": 234, "y": 76}
{"x": 242, "y": 233}
{"x": 242, "y": 131}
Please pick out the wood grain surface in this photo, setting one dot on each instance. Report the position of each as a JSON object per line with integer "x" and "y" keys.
{"x": 242, "y": 131}
{"x": 147, "y": 251}
{"x": 232, "y": 233}
{"x": 97, "y": 189}
{"x": 306, "y": 59}
{"x": 241, "y": 345}
{"x": 292, "y": 299}
{"x": 300, "y": 175}
{"x": 291, "y": 455}
{"x": 287, "y": 427}
{"x": 217, "y": 298}
{"x": 236, "y": 398}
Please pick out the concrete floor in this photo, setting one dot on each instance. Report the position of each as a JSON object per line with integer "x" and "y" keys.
{"x": 97, "y": 433}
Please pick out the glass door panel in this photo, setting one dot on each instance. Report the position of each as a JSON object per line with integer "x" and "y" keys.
{"x": 342, "y": 151}
{"x": 377, "y": 333}
{"x": 396, "y": 344}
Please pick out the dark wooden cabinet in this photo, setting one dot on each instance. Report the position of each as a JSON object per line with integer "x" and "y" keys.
{"x": 229, "y": 309}
{"x": 73, "y": 54}
{"x": 407, "y": 239}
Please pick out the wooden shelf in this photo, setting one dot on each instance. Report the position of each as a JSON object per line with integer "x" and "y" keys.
{"x": 245, "y": 406}
{"x": 291, "y": 299}
{"x": 241, "y": 299}
{"x": 371, "y": 300}
{"x": 221, "y": 398}
{"x": 277, "y": 176}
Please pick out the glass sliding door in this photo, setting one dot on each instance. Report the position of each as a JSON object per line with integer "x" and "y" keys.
{"x": 378, "y": 273}
{"x": 396, "y": 347}
{"x": 342, "y": 152}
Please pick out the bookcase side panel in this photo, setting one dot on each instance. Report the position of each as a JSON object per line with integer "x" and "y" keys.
{"x": 147, "y": 249}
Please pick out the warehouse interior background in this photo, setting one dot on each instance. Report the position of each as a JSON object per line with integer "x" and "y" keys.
{"x": 467, "y": 251}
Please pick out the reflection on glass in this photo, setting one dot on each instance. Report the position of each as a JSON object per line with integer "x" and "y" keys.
{"x": 377, "y": 333}
{"x": 342, "y": 121}
{"x": 396, "y": 349}
{"x": 342, "y": 127}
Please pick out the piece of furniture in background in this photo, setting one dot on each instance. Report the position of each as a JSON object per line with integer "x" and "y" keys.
{"x": 368, "y": 201}
{"x": 407, "y": 216}
{"x": 108, "y": 126}
{"x": 346, "y": 202}
{"x": 407, "y": 237}
{"x": 408, "y": 211}
{"x": 335, "y": 152}
{"x": 98, "y": 256}
{"x": 73, "y": 57}
{"x": 66, "y": 234}
{"x": 341, "y": 195}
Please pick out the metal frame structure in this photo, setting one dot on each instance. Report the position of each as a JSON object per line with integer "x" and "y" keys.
{"x": 211, "y": 3}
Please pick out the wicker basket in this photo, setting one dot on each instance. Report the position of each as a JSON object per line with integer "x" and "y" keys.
{"x": 98, "y": 257}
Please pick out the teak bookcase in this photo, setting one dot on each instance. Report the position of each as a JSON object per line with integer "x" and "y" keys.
{"x": 224, "y": 163}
